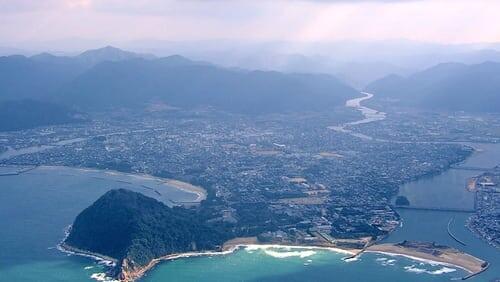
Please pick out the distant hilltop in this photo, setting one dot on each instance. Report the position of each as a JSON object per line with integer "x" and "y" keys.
{"x": 449, "y": 87}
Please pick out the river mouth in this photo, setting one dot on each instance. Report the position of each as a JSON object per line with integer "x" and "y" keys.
{"x": 45, "y": 212}
{"x": 447, "y": 190}
{"x": 439, "y": 204}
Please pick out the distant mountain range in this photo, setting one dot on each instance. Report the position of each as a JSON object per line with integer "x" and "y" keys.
{"x": 450, "y": 86}
{"x": 110, "y": 77}
{"x": 42, "y": 75}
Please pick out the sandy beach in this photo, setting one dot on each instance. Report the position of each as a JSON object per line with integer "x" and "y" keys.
{"x": 228, "y": 248}
{"x": 201, "y": 193}
{"x": 188, "y": 187}
{"x": 449, "y": 257}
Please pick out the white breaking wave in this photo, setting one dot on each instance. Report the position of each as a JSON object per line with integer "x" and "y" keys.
{"x": 301, "y": 254}
{"x": 417, "y": 270}
{"x": 351, "y": 259}
{"x": 102, "y": 277}
{"x": 385, "y": 261}
{"x": 284, "y": 251}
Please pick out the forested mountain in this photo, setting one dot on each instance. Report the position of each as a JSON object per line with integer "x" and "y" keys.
{"x": 134, "y": 229}
{"x": 22, "y": 77}
{"x": 41, "y": 76}
{"x": 25, "y": 114}
{"x": 109, "y": 77}
{"x": 452, "y": 86}
{"x": 181, "y": 83}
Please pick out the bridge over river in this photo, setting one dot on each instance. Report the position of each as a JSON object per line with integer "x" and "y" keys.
{"x": 473, "y": 168}
{"x": 444, "y": 209}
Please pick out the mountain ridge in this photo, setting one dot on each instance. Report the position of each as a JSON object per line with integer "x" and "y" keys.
{"x": 448, "y": 86}
{"x": 109, "y": 78}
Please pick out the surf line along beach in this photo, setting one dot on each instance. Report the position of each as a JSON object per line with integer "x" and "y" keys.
{"x": 419, "y": 251}
{"x": 433, "y": 253}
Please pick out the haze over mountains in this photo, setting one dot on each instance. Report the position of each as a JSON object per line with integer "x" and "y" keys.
{"x": 109, "y": 77}
{"x": 450, "y": 86}
{"x": 25, "y": 114}
{"x": 42, "y": 75}
{"x": 355, "y": 62}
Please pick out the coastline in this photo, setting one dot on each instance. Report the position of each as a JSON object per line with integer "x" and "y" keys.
{"x": 188, "y": 187}
{"x": 453, "y": 258}
{"x": 200, "y": 192}
{"x": 65, "y": 248}
{"x": 229, "y": 247}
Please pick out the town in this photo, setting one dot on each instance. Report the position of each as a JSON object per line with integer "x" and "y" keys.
{"x": 283, "y": 177}
{"x": 485, "y": 221}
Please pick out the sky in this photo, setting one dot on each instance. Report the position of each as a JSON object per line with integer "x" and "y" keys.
{"x": 437, "y": 21}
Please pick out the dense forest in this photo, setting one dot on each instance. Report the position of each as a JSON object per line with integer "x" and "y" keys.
{"x": 127, "y": 225}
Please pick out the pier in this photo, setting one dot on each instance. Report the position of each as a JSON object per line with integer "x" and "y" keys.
{"x": 448, "y": 229}
{"x": 486, "y": 265}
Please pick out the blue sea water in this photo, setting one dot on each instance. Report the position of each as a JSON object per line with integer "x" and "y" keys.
{"x": 298, "y": 265}
{"x": 35, "y": 207}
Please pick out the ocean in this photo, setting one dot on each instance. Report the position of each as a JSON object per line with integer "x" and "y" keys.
{"x": 36, "y": 207}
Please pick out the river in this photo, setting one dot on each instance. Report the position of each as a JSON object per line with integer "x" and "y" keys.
{"x": 36, "y": 206}
{"x": 445, "y": 191}
{"x": 369, "y": 115}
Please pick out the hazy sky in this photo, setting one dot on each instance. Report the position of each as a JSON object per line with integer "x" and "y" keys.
{"x": 443, "y": 21}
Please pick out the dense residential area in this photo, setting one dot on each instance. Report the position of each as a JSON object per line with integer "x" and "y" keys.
{"x": 286, "y": 174}
{"x": 486, "y": 222}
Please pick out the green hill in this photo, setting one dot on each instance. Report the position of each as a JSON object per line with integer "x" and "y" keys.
{"x": 134, "y": 229}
